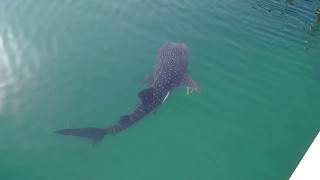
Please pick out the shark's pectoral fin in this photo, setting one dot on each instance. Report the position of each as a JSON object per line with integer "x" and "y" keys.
{"x": 148, "y": 79}
{"x": 191, "y": 83}
{"x": 147, "y": 96}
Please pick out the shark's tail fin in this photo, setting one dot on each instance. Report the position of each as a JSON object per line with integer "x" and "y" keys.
{"x": 95, "y": 134}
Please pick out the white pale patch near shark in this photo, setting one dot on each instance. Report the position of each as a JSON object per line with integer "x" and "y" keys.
{"x": 166, "y": 96}
{"x": 189, "y": 82}
{"x": 189, "y": 91}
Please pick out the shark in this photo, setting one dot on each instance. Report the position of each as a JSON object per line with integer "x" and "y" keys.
{"x": 169, "y": 72}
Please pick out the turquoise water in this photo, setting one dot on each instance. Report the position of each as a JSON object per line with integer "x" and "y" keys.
{"x": 73, "y": 63}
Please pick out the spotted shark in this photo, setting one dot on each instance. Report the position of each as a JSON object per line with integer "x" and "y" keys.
{"x": 170, "y": 71}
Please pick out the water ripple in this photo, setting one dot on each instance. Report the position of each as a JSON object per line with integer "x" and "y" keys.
{"x": 290, "y": 19}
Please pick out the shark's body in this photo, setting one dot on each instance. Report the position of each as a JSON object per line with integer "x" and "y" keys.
{"x": 169, "y": 72}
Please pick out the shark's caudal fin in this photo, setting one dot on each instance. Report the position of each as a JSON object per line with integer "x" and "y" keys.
{"x": 95, "y": 134}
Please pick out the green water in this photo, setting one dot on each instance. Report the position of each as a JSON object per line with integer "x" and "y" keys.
{"x": 76, "y": 63}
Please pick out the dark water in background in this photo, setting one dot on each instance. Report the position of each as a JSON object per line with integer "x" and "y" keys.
{"x": 72, "y": 63}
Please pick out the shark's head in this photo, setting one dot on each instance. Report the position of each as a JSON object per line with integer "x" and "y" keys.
{"x": 173, "y": 51}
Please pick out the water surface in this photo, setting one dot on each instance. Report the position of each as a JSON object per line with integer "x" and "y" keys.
{"x": 72, "y": 63}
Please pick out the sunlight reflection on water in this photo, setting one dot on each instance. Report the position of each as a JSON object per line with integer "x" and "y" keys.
{"x": 14, "y": 71}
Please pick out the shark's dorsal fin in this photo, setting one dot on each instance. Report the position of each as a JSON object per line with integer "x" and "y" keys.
{"x": 189, "y": 82}
{"x": 147, "y": 96}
